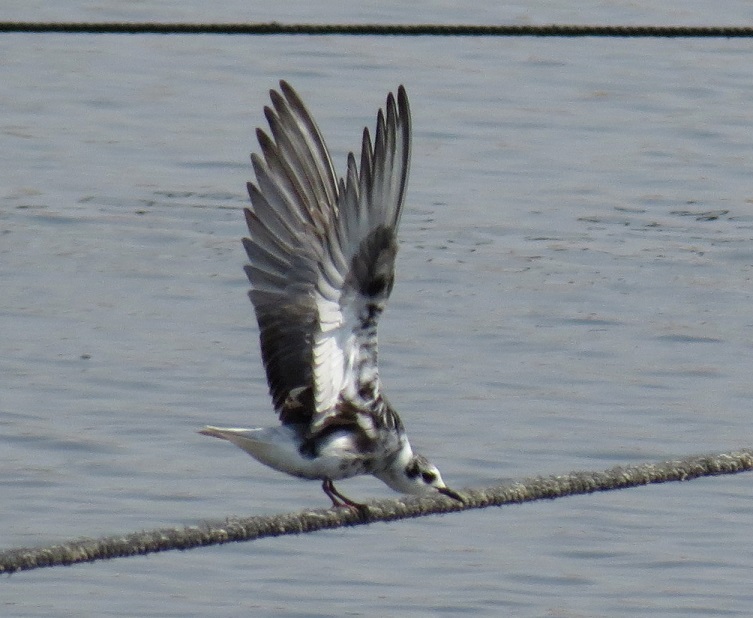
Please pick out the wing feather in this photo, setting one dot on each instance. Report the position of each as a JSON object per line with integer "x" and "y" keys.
{"x": 322, "y": 255}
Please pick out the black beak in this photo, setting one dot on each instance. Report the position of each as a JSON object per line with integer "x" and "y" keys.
{"x": 452, "y": 494}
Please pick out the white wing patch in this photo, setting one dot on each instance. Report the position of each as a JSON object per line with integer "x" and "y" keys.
{"x": 332, "y": 353}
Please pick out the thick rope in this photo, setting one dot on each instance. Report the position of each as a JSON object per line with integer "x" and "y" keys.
{"x": 250, "y": 528}
{"x": 553, "y": 30}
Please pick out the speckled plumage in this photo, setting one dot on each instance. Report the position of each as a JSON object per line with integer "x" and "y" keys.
{"x": 321, "y": 267}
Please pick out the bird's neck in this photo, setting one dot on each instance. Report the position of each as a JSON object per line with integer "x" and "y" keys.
{"x": 393, "y": 475}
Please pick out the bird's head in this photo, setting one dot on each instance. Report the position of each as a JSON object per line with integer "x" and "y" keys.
{"x": 417, "y": 475}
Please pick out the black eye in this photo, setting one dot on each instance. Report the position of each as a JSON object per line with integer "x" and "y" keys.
{"x": 428, "y": 477}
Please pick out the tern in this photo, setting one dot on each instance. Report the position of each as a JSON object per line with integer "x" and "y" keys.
{"x": 321, "y": 265}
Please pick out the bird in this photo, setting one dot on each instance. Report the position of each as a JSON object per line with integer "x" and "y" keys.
{"x": 321, "y": 253}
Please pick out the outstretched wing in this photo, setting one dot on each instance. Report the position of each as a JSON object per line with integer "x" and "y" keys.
{"x": 322, "y": 255}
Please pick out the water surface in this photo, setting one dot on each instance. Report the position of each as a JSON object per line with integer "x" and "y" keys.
{"x": 574, "y": 292}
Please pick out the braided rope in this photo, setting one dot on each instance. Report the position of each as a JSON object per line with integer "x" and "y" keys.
{"x": 276, "y": 28}
{"x": 251, "y": 528}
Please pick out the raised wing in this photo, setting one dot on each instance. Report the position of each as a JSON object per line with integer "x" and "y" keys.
{"x": 322, "y": 255}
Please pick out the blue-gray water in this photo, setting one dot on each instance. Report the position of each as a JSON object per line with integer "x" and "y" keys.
{"x": 574, "y": 292}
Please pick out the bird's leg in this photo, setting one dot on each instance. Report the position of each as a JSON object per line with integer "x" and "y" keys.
{"x": 347, "y": 501}
{"x": 329, "y": 488}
